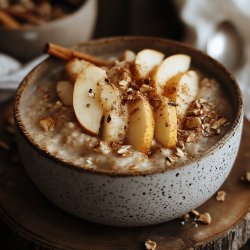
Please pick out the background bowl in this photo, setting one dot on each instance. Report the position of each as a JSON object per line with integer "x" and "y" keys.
{"x": 139, "y": 199}
{"x": 27, "y": 43}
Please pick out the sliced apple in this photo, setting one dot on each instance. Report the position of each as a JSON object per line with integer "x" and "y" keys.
{"x": 74, "y": 67}
{"x": 145, "y": 61}
{"x": 127, "y": 56}
{"x": 170, "y": 67}
{"x": 141, "y": 125}
{"x": 85, "y": 103}
{"x": 115, "y": 122}
{"x": 166, "y": 123}
{"x": 65, "y": 92}
{"x": 182, "y": 89}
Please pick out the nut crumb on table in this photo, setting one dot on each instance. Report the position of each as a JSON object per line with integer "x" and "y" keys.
{"x": 195, "y": 217}
{"x": 221, "y": 196}
{"x": 150, "y": 245}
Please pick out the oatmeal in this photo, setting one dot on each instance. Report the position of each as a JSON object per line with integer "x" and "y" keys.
{"x": 143, "y": 112}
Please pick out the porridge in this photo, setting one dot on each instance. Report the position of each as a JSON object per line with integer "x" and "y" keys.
{"x": 144, "y": 112}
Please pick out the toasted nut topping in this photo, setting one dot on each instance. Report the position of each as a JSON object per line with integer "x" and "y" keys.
{"x": 124, "y": 83}
{"x": 180, "y": 153}
{"x": 150, "y": 245}
{"x": 47, "y": 124}
{"x": 193, "y": 122}
{"x": 145, "y": 88}
{"x": 221, "y": 196}
{"x": 205, "y": 218}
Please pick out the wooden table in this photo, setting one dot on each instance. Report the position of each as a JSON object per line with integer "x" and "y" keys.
{"x": 36, "y": 222}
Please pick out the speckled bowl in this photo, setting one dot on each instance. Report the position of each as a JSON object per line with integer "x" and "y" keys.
{"x": 138, "y": 199}
{"x": 27, "y": 43}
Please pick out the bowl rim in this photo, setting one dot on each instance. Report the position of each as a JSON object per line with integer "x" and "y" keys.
{"x": 20, "y": 127}
{"x": 50, "y": 23}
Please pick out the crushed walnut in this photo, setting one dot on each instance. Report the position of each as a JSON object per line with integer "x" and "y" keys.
{"x": 47, "y": 124}
{"x": 221, "y": 196}
{"x": 195, "y": 213}
{"x": 205, "y": 218}
{"x": 150, "y": 245}
{"x": 202, "y": 117}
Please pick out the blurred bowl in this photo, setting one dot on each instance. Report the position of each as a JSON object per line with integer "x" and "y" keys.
{"x": 27, "y": 43}
{"x": 135, "y": 199}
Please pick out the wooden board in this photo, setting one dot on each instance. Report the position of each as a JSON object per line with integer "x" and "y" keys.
{"x": 38, "y": 222}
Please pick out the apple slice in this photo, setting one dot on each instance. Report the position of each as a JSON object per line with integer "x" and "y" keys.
{"x": 127, "y": 56}
{"x": 182, "y": 89}
{"x": 115, "y": 122}
{"x": 74, "y": 67}
{"x": 65, "y": 92}
{"x": 145, "y": 61}
{"x": 170, "y": 67}
{"x": 166, "y": 123}
{"x": 86, "y": 105}
{"x": 141, "y": 125}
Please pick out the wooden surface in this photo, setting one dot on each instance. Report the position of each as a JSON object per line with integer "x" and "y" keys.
{"x": 37, "y": 222}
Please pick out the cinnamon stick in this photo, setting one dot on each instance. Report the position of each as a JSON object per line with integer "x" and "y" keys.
{"x": 8, "y": 21}
{"x": 67, "y": 54}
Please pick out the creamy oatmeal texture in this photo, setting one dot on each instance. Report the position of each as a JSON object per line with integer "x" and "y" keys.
{"x": 53, "y": 124}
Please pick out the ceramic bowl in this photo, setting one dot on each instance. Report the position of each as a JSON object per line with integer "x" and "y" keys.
{"x": 27, "y": 43}
{"x": 138, "y": 199}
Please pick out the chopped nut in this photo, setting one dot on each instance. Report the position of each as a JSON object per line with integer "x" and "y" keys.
{"x": 129, "y": 90}
{"x": 145, "y": 88}
{"x": 193, "y": 122}
{"x": 180, "y": 153}
{"x": 205, "y": 218}
{"x": 56, "y": 106}
{"x": 150, "y": 245}
{"x": 180, "y": 144}
{"x": 221, "y": 196}
{"x": 191, "y": 137}
{"x": 216, "y": 124}
{"x": 195, "y": 213}
{"x": 4, "y": 146}
{"x": 47, "y": 124}
{"x": 123, "y": 83}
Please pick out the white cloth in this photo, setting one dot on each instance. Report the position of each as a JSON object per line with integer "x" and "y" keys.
{"x": 202, "y": 18}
